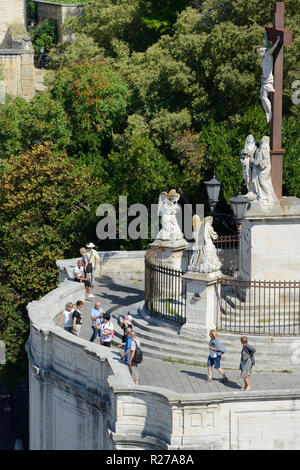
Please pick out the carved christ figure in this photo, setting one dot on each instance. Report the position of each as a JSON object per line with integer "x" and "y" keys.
{"x": 267, "y": 78}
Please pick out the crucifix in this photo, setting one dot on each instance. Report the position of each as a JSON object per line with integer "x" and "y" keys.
{"x": 273, "y": 34}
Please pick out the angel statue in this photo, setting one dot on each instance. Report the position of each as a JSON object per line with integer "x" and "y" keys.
{"x": 168, "y": 208}
{"x": 204, "y": 258}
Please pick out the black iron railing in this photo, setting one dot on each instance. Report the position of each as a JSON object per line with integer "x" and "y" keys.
{"x": 165, "y": 294}
{"x": 228, "y": 252}
{"x": 258, "y": 307}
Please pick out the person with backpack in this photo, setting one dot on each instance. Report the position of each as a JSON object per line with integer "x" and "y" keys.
{"x": 92, "y": 261}
{"x": 136, "y": 357}
{"x": 127, "y": 349}
{"x": 216, "y": 349}
{"x": 247, "y": 361}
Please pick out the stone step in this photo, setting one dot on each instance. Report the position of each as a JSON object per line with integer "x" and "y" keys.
{"x": 196, "y": 352}
{"x": 229, "y": 361}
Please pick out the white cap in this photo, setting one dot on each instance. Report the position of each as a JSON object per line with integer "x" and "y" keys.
{"x": 91, "y": 245}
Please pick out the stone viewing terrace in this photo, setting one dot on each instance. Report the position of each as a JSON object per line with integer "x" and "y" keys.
{"x": 170, "y": 368}
{"x": 83, "y": 397}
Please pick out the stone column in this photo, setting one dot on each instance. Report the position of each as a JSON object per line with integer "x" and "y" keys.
{"x": 269, "y": 243}
{"x": 201, "y": 302}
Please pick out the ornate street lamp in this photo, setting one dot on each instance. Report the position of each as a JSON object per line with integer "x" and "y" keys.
{"x": 238, "y": 205}
{"x": 213, "y": 187}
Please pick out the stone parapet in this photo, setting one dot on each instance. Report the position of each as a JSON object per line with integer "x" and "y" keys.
{"x": 110, "y": 262}
{"x": 82, "y": 397}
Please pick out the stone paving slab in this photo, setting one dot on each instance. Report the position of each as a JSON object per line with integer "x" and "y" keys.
{"x": 127, "y": 289}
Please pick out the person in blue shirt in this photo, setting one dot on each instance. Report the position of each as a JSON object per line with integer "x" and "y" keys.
{"x": 126, "y": 355}
{"x": 97, "y": 313}
{"x": 216, "y": 349}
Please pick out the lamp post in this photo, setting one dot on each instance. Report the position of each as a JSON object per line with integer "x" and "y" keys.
{"x": 238, "y": 206}
{"x": 213, "y": 187}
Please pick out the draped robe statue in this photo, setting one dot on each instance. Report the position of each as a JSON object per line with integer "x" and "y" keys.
{"x": 204, "y": 258}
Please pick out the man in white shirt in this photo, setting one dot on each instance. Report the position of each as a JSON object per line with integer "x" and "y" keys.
{"x": 92, "y": 259}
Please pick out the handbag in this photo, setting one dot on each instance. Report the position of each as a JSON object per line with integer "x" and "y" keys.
{"x": 89, "y": 267}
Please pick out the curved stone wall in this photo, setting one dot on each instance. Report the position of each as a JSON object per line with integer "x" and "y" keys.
{"x": 82, "y": 397}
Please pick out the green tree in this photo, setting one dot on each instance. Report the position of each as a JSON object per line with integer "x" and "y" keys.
{"x": 96, "y": 100}
{"x": 23, "y": 124}
{"x": 45, "y": 35}
{"x": 136, "y": 22}
{"x": 48, "y": 206}
{"x": 135, "y": 166}
{"x": 14, "y": 329}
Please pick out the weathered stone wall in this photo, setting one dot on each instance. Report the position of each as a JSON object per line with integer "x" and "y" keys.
{"x": 19, "y": 72}
{"x": 81, "y": 397}
{"x": 57, "y": 12}
{"x": 11, "y": 12}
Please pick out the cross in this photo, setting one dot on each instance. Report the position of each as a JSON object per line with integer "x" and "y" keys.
{"x": 285, "y": 39}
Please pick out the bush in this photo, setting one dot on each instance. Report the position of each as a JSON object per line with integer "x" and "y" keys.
{"x": 45, "y": 35}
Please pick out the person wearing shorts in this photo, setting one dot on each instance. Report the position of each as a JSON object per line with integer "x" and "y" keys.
{"x": 214, "y": 357}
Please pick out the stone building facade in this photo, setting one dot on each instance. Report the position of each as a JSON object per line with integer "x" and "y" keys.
{"x": 57, "y": 12}
{"x": 17, "y": 72}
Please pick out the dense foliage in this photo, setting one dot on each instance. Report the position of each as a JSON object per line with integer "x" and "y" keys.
{"x": 45, "y": 36}
{"x": 14, "y": 329}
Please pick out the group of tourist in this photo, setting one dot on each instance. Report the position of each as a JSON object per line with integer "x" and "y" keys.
{"x": 104, "y": 328}
{"x": 216, "y": 349}
{"x": 86, "y": 266}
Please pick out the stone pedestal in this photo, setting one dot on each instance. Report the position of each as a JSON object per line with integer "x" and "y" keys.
{"x": 270, "y": 241}
{"x": 200, "y": 304}
{"x": 172, "y": 252}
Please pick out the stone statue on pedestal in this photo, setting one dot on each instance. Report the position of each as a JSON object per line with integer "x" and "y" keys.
{"x": 246, "y": 157}
{"x": 168, "y": 208}
{"x": 261, "y": 173}
{"x": 256, "y": 165}
{"x": 204, "y": 258}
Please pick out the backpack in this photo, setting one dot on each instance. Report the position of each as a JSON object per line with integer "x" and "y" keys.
{"x": 138, "y": 357}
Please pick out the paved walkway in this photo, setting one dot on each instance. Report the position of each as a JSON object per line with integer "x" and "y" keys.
{"x": 126, "y": 289}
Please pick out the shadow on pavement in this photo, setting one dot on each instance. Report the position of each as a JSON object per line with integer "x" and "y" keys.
{"x": 198, "y": 375}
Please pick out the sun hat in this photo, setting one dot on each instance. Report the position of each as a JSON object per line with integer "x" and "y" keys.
{"x": 91, "y": 245}
{"x": 128, "y": 318}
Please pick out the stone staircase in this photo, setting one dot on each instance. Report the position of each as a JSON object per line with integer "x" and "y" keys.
{"x": 161, "y": 339}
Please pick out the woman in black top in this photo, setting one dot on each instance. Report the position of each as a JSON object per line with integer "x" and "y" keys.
{"x": 77, "y": 318}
